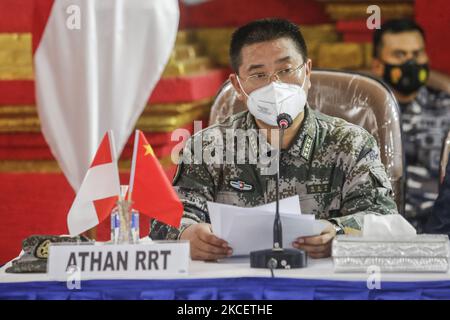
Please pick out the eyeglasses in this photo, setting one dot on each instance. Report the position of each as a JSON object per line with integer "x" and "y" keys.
{"x": 284, "y": 75}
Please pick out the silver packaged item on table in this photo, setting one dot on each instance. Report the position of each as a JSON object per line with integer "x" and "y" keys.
{"x": 420, "y": 253}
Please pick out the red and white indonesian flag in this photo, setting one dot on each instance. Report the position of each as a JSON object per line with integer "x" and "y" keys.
{"x": 96, "y": 63}
{"x": 98, "y": 192}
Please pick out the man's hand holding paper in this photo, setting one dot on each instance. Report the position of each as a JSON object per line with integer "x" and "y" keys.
{"x": 249, "y": 229}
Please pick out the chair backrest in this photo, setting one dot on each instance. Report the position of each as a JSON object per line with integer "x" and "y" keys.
{"x": 357, "y": 98}
{"x": 444, "y": 156}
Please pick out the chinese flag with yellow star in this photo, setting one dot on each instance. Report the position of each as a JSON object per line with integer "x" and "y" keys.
{"x": 150, "y": 189}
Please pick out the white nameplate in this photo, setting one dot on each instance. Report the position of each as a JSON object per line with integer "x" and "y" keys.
{"x": 159, "y": 259}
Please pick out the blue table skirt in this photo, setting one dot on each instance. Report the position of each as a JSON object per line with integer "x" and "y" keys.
{"x": 226, "y": 288}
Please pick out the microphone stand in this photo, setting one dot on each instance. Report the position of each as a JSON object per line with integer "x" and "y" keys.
{"x": 277, "y": 226}
{"x": 279, "y": 257}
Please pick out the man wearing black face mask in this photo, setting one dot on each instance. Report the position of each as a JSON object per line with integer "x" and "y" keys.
{"x": 400, "y": 59}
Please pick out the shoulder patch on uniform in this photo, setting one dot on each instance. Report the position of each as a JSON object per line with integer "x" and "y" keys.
{"x": 306, "y": 148}
{"x": 240, "y": 185}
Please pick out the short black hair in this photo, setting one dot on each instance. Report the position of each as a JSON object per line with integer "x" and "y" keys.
{"x": 393, "y": 26}
{"x": 264, "y": 30}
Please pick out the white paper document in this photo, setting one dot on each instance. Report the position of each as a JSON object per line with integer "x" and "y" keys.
{"x": 250, "y": 229}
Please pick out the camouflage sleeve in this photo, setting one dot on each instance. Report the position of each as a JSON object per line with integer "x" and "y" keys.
{"x": 366, "y": 189}
{"x": 194, "y": 185}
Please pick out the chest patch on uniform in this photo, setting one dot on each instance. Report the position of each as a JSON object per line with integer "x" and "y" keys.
{"x": 241, "y": 185}
{"x": 318, "y": 188}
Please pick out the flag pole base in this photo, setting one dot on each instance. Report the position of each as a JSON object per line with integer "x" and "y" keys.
{"x": 124, "y": 208}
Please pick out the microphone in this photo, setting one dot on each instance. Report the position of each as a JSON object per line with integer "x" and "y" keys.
{"x": 278, "y": 257}
{"x": 284, "y": 121}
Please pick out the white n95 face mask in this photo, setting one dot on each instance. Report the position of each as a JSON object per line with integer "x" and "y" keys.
{"x": 268, "y": 102}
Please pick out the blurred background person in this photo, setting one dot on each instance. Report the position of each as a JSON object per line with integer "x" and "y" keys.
{"x": 439, "y": 221}
{"x": 401, "y": 60}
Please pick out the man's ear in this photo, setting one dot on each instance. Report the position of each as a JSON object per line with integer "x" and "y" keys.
{"x": 237, "y": 87}
{"x": 377, "y": 67}
{"x": 308, "y": 67}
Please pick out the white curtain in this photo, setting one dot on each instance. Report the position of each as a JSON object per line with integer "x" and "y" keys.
{"x": 95, "y": 67}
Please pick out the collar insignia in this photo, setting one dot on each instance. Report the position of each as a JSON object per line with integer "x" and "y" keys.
{"x": 306, "y": 148}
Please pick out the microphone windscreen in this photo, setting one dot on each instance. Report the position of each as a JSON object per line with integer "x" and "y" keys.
{"x": 284, "y": 120}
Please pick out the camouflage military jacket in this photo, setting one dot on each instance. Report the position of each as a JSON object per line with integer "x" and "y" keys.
{"x": 332, "y": 165}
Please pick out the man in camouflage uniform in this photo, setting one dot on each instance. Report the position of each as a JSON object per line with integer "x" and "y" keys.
{"x": 401, "y": 60}
{"x": 332, "y": 165}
